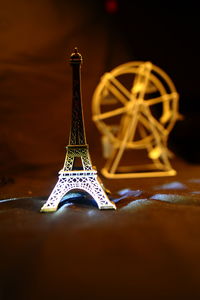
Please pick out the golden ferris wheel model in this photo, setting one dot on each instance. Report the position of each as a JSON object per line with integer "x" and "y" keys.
{"x": 135, "y": 106}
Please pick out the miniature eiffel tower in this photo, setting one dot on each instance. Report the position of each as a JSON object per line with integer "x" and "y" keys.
{"x": 71, "y": 177}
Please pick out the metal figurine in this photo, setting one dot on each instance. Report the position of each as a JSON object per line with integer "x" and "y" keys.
{"x": 85, "y": 176}
{"x": 135, "y": 106}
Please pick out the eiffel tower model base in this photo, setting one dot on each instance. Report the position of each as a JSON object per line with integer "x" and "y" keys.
{"x": 78, "y": 180}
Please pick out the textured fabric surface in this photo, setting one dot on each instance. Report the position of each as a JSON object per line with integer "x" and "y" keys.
{"x": 148, "y": 248}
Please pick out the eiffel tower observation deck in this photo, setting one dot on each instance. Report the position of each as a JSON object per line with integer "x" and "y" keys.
{"x": 73, "y": 177}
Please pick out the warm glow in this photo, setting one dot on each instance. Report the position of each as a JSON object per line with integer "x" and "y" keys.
{"x": 135, "y": 106}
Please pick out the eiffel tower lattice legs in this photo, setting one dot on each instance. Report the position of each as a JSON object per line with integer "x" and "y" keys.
{"x": 83, "y": 180}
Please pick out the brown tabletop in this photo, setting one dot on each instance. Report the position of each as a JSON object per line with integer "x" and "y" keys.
{"x": 147, "y": 249}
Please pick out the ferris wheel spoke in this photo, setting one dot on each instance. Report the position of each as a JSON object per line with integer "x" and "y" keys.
{"x": 158, "y": 125}
{"x": 122, "y": 90}
{"x": 160, "y": 99}
{"x": 142, "y": 79}
{"x": 117, "y": 93}
{"x": 110, "y": 114}
{"x": 148, "y": 119}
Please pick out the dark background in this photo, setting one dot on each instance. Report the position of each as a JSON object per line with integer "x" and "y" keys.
{"x": 36, "y": 39}
{"x": 146, "y": 250}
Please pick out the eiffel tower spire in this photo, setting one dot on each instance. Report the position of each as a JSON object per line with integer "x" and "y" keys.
{"x": 77, "y": 134}
{"x": 71, "y": 177}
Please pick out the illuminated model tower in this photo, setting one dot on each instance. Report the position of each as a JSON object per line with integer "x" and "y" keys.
{"x": 83, "y": 177}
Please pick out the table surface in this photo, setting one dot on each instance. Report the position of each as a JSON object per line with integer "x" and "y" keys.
{"x": 147, "y": 249}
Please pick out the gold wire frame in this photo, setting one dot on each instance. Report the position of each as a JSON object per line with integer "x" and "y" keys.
{"x": 135, "y": 106}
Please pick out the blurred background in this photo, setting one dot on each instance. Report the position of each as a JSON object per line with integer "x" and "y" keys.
{"x": 36, "y": 40}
